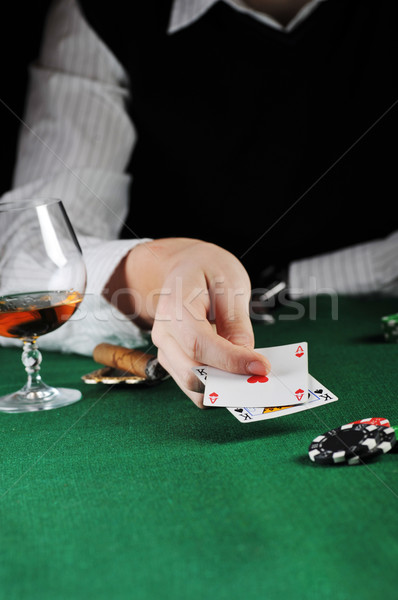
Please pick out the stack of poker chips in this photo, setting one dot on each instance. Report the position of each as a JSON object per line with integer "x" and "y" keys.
{"x": 353, "y": 443}
{"x": 389, "y": 325}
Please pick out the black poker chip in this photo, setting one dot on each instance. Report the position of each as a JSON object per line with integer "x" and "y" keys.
{"x": 345, "y": 444}
{"x": 386, "y": 443}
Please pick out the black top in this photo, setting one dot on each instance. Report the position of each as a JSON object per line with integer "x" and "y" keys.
{"x": 274, "y": 145}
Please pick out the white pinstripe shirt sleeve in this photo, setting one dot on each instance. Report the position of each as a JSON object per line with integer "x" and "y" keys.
{"x": 369, "y": 268}
{"x": 75, "y": 143}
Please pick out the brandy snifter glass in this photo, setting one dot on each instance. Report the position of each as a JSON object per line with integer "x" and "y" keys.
{"x": 42, "y": 282}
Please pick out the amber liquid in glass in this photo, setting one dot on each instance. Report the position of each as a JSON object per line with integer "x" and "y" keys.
{"x": 30, "y": 315}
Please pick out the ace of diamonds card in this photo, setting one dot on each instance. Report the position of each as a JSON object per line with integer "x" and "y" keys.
{"x": 285, "y": 385}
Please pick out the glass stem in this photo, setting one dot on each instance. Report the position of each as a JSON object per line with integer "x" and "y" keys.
{"x": 31, "y": 360}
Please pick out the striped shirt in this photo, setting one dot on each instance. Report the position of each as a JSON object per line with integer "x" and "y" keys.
{"x": 75, "y": 144}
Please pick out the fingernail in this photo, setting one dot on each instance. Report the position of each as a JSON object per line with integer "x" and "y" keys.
{"x": 258, "y": 367}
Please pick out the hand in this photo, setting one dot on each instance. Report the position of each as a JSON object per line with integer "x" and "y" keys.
{"x": 195, "y": 296}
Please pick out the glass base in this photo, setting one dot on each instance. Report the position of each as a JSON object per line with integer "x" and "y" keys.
{"x": 44, "y": 398}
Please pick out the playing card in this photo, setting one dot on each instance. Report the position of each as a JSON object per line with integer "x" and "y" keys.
{"x": 318, "y": 395}
{"x": 201, "y": 373}
{"x": 285, "y": 385}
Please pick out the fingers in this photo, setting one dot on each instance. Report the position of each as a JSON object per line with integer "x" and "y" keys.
{"x": 176, "y": 362}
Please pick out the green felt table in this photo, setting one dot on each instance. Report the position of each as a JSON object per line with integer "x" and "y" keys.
{"x": 133, "y": 492}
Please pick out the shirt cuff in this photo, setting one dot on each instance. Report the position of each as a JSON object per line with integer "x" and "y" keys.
{"x": 348, "y": 271}
{"x": 101, "y": 259}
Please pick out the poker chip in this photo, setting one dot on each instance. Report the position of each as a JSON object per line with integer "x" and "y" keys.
{"x": 389, "y": 325}
{"x": 379, "y": 421}
{"x": 386, "y": 443}
{"x": 345, "y": 444}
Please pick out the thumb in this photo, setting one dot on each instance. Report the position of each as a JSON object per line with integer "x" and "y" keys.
{"x": 240, "y": 337}
{"x": 233, "y": 322}
{"x": 241, "y": 334}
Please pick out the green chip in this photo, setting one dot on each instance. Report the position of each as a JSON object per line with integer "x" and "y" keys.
{"x": 389, "y": 325}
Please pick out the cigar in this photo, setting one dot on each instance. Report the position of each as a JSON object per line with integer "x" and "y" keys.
{"x": 131, "y": 361}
